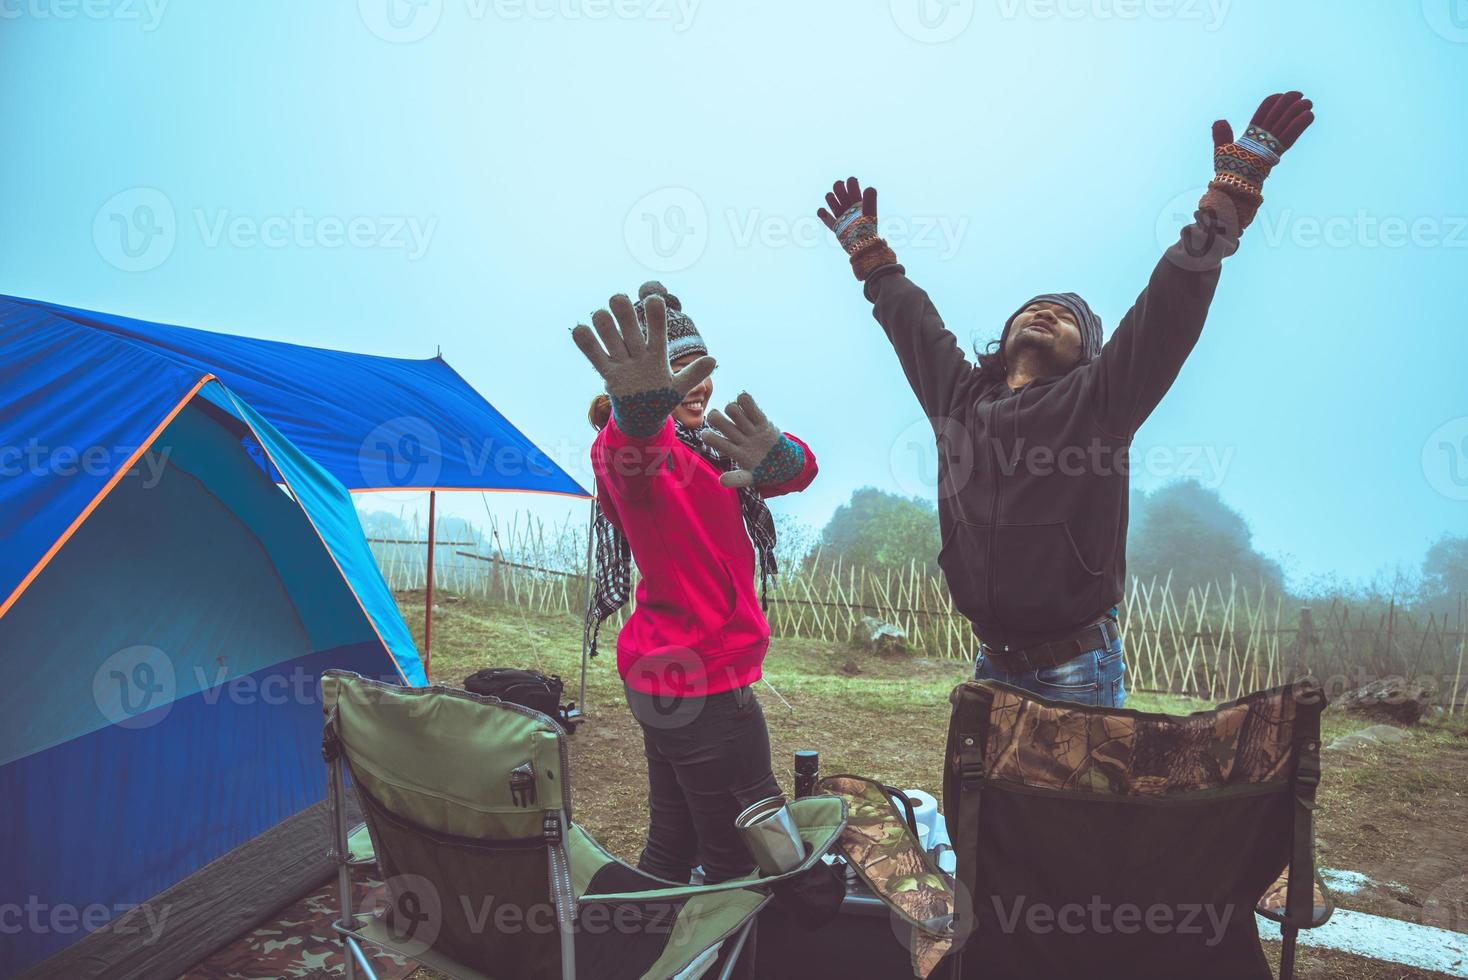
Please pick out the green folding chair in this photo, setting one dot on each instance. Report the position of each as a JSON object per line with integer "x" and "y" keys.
{"x": 467, "y": 801}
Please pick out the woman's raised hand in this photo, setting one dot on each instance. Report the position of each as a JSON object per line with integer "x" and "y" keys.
{"x": 765, "y": 455}
{"x": 634, "y": 367}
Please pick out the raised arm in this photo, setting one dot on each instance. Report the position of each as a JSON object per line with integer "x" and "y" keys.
{"x": 935, "y": 365}
{"x": 1142, "y": 358}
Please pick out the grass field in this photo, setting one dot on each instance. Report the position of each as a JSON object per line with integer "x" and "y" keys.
{"x": 1396, "y": 814}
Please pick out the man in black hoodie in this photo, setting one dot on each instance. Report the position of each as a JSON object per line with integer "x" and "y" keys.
{"x": 1032, "y": 474}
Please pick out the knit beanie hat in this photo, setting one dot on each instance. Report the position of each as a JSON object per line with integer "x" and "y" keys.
{"x": 1086, "y": 319}
{"x": 683, "y": 336}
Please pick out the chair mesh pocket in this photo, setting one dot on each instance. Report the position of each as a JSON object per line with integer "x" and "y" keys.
{"x": 487, "y": 904}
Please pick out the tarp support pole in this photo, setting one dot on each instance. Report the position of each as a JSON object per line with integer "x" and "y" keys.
{"x": 590, "y": 579}
{"x": 428, "y": 596}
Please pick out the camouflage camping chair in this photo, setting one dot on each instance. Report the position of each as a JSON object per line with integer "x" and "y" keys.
{"x": 1106, "y": 842}
{"x": 467, "y": 801}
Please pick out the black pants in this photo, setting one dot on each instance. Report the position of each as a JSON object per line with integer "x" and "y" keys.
{"x": 707, "y": 759}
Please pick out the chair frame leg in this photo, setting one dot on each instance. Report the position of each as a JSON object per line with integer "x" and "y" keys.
{"x": 337, "y": 815}
{"x": 1287, "y": 934}
{"x": 737, "y": 951}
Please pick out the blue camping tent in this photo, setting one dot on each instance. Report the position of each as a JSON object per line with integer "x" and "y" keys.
{"x": 179, "y": 560}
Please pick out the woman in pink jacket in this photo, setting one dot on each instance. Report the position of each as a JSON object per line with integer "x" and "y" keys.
{"x": 684, "y": 497}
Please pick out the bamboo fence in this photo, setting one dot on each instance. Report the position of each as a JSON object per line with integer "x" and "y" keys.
{"x": 1217, "y": 642}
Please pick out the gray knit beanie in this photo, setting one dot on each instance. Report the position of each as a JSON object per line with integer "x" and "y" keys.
{"x": 683, "y": 336}
{"x": 1086, "y": 319}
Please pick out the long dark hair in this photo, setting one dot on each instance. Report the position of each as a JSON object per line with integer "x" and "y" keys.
{"x": 991, "y": 362}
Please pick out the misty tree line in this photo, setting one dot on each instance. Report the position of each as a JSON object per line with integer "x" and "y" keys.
{"x": 1183, "y": 529}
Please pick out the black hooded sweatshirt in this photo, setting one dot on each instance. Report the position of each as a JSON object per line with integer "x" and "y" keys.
{"x": 1033, "y": 483}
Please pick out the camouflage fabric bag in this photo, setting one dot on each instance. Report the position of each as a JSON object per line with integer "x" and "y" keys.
{"x": 881, "y": 849}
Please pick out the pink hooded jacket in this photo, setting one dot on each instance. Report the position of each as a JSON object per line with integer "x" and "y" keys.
{"x": 697, "y": 628}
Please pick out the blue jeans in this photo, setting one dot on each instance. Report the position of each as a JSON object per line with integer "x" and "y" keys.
{"x": 1094, "y": 678}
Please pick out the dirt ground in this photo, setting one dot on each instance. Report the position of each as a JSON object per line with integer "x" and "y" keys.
{"x": 1396, "y": 814}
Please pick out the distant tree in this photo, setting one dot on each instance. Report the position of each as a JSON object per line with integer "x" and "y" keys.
{"x": 794, "y": 541}
{"x": 1445, "y": 574}
{"x": 1186, "y": 529}
{"x": 381, "y": 524}
{"x": 882, "y": 530}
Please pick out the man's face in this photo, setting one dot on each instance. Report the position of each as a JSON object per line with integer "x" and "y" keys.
{"x": 1048, "y": 332}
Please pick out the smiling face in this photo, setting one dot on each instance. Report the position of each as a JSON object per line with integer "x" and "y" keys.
{"x": 690, "y": 411}
{"x": 1047, "y": 334}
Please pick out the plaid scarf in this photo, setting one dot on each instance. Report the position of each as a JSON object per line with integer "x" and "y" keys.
{"x": 614, "y": 555}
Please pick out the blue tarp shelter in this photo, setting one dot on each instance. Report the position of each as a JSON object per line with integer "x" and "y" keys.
{"x": 180, "y": 558}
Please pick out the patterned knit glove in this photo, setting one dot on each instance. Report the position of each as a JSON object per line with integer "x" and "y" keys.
{"x": 642, "y": 387}
{"x": 1240, "y": 166}
{"x": 766, "y": 456}
{"x": 853, "y": 217}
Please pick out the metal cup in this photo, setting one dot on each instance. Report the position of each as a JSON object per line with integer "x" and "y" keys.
{"x": 770, "y": 833}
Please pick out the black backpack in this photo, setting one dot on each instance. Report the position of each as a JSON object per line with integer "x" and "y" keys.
{"x": 529, "y": 688}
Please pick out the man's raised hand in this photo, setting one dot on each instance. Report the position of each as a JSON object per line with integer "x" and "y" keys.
{"x": 852, "y": 216}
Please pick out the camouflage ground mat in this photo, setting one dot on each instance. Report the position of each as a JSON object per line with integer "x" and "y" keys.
{"x": 300, "y": 943}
